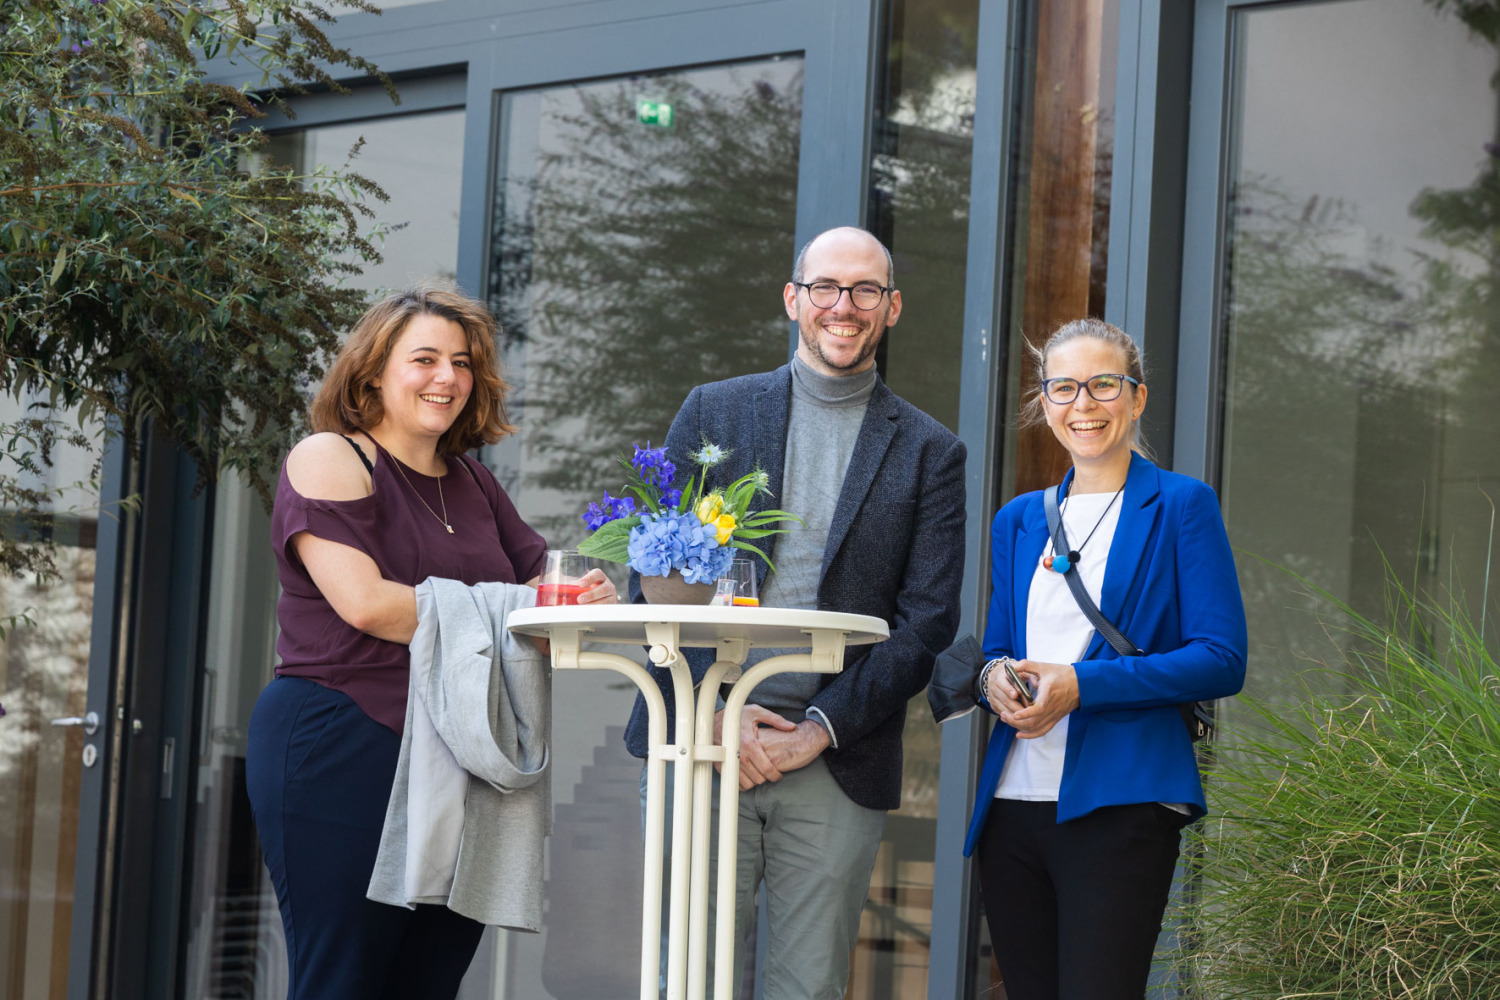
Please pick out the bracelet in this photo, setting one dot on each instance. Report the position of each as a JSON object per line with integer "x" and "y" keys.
{"x": 982, "y": 696}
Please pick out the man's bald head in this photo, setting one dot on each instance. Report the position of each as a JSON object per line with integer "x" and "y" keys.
{"x": 843, "y": 233}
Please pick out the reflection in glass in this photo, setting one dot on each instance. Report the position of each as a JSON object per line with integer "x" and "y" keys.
{"x": 919, "y": 192}
{"x": 233, "y": 929}
{"x": 1362, "y": 345}
{"x": 643, "y": 229}
{"x": 43, "y": 676}
{"x": 636, "y": 254}
{"x": 417, "y": 160}
{"x": 1062, "y": 202}
{"x": 919, "y": 206}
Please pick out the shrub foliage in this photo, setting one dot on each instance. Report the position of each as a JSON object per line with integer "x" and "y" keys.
{"x": 1357, "y": 849}
{"x": 150, "y": 269}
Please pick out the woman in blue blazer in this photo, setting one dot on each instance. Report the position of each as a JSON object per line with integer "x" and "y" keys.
{"x": 1085, "y": 790}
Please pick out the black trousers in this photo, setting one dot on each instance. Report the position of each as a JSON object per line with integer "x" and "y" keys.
{"x": 1074, "y": 909}
{"x": 319, "y": 772}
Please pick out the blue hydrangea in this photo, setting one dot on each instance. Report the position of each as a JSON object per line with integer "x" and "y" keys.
{"x": 653, "y": 466}
{"x": 669, "y": 540}
{"x": 606, "y": 510}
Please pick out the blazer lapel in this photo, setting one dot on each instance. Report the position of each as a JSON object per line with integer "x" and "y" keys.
{"x": 875, "y": 435}
{"x": 770, "y": 407}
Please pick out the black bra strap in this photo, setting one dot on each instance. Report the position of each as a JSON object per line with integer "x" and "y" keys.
{"x": 360, "y": 452}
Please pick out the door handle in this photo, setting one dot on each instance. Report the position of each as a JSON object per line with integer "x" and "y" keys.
{"x": 89, "y": 722}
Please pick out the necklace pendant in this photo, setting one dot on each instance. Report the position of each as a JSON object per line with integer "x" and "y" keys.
{"x": 449, "y": 527}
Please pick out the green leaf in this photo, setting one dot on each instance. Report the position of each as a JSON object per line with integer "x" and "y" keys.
{"x": 743, "y": 532}
{"x": 746, "y": 546}
{"x": 611, "y": 542}
{"x": 57, "y": 267}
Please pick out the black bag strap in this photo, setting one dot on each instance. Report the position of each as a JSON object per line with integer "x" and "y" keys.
{"x": 1086, "y": 604}
{"x": 1197, "y": 716}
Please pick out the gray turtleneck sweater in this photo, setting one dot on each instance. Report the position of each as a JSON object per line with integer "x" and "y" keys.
{"x": 823, "y": 424}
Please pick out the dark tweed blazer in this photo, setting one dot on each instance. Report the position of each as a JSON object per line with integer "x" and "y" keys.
{"x": 895, "y": 551}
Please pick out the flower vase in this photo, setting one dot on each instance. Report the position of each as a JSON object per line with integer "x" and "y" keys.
{"x": 673, "y": 589}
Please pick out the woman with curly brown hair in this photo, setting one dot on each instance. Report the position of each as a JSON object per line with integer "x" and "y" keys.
{"x": 381, "y": 497}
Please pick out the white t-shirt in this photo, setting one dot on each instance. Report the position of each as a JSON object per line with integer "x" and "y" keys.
{"x": 1058, "y": 632}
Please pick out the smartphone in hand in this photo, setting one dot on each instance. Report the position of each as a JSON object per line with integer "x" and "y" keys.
{"x": 1026, "y": 693}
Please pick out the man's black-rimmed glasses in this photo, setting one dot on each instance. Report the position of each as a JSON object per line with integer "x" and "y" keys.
{"x": 825, "y": 294}
{"x": 1102, "y": 387}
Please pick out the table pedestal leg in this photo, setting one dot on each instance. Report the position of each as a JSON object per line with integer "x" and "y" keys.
{"x": 567, "y": 655}
{"x": 732, "y": 653}
{"x": 827, "y": 657}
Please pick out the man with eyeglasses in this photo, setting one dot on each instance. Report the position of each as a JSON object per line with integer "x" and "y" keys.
{"x": 880, "y": 490}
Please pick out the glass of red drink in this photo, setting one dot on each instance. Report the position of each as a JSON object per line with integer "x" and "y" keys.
{"x": 561, "y": 578}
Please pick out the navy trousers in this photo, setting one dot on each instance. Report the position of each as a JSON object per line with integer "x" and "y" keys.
{"x": 319, "y": 773}
{"x": 1074, "y": 908}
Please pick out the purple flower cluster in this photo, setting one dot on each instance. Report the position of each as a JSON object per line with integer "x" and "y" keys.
{"x": 653, "y": 466}
{"x": 669, "y": 540}
{"x": 606, "y": 510}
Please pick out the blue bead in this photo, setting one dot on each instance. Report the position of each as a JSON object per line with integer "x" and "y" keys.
{"x": 1060, "y": 563}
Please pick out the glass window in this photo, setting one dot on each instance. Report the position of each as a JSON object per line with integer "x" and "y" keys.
{"x": 919, "y": 191}
{"x": 919, "y": 207}
{"x": 643, "y": 231}
{"x": 233, "y": 928}
{"x": 1059, "y": 244}
{"x": 44, "y": 666}
{"x": 1359, "y": 414}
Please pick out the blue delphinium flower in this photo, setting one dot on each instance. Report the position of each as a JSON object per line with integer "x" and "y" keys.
{"x": 653, "y": 466}
{"x": 670, "y": 499}
{"x": 669, "y": 540}
{"x": 606, "y": 510}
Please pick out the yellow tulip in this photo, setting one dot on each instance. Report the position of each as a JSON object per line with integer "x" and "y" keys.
{"x": 709, "y": 507}
{"x": 725, "y": 523}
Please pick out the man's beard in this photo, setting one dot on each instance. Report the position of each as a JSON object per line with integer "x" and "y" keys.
{"x": 814, "y": 343}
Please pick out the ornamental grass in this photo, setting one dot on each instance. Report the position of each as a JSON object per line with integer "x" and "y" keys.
{"x": 1353, "y": 850}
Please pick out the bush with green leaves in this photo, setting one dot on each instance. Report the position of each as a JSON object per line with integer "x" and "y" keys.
{"x": 151, "y": 270}
{"x": 1355, "y": 850}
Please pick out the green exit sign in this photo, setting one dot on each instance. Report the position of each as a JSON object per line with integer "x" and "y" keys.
{"x": 658, "y": 113}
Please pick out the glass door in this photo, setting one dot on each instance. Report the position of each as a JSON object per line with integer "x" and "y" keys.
{"x": 51, "y": 733}
{"x": 643, "y": 228}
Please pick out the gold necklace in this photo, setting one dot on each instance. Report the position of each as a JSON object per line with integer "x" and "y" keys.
{"x": 441, "y": 520}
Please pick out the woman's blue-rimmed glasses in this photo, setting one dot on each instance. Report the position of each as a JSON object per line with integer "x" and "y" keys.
{"x": 1102, "y": 387}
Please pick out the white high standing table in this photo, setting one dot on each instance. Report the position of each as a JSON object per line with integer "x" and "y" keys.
{"x": 666, "y": 629}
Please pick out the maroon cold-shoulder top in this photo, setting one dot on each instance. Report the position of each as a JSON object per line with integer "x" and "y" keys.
{"x": 408, "y": 542}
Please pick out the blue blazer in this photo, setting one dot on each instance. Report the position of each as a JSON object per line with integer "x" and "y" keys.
{"x": 1171, "y": 587}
